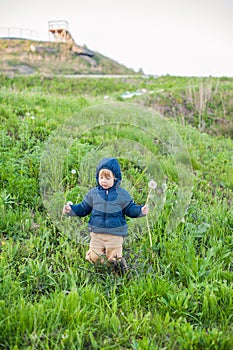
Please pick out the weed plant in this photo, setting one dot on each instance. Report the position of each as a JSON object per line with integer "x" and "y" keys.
{"x": 176, "y": 295}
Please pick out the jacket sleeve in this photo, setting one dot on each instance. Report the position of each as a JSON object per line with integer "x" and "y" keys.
{"x": 84, "y": 208}
{"x": 133, "y": 210}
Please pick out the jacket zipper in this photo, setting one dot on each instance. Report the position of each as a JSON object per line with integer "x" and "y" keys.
{"x": 105, "y": 208}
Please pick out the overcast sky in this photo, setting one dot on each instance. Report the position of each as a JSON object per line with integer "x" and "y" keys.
{"x": 176, "y": 37}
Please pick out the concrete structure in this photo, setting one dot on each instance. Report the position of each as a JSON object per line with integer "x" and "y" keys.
{"x": 59, "y": 32}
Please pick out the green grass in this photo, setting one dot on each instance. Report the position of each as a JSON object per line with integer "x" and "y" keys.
{"x": 177, "y": 295}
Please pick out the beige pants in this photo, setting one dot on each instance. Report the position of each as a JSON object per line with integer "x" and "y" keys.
{"x": 104, "y": 244}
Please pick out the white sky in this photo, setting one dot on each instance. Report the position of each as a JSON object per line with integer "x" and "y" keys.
{"x": 176, "y": 37}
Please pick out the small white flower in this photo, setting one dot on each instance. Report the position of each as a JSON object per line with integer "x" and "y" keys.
{"x": 64, "y": 336}
{"x": 73, "y": 171}
{"x": 152, "y": 184}
{"x": 32, "y": 117}
{"x": 69, "y": 203}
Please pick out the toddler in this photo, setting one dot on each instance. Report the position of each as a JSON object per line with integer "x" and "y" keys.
{"x": 108, "y": 205}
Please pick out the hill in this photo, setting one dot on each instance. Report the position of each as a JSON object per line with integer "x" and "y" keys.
{"x": 26, "y": 57}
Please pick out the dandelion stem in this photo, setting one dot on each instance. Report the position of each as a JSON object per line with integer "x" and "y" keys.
{"x": 152, "y": 185}
{"x": 62, "y": 214}
{"x": 148, "y": 196}
{"x": 148, "y": 227}
{"x": 147, "y": 221}
{"x": 65, "y": 201}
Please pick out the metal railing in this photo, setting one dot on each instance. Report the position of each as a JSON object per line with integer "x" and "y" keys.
{"x": 18, "y": 33}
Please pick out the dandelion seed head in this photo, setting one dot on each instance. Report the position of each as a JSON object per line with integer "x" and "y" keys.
{"x": 152, "y": 184}
{"x": 73, "y": 171}
{"x": 69, "y": 203}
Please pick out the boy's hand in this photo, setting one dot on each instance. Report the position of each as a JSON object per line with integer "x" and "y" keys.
{"x": 66, "y": 209}
{"x": 145, "y": 209}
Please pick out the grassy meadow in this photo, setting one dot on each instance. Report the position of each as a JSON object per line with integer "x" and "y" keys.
{"x": 177, "y": 294}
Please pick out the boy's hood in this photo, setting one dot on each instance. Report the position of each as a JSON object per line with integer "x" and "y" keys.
{"x": 111, "y": 164}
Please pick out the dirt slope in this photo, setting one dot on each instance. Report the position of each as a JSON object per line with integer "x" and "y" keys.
{"x": 26, "y": 57}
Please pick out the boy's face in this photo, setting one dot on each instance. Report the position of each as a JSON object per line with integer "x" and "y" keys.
{"x": 106, "y": 180}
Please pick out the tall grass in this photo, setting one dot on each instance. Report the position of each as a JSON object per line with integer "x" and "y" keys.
{"x": 177, "y": 294}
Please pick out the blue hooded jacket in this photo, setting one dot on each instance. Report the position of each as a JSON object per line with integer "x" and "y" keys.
{"x": 108, "y": 208}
